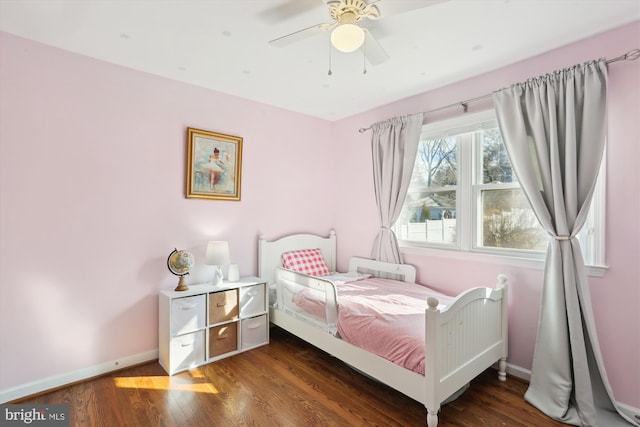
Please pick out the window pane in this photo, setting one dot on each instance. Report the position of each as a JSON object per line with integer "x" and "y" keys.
{"x": 509, "y": 222}
{"x": 496, "y": 167}
{"x": 429, "y": 217}
{"x": 436, "y": 163}
{"x": 465, "y": 157}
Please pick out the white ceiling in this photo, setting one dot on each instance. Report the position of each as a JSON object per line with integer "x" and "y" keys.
{"x": 223, "y": 44}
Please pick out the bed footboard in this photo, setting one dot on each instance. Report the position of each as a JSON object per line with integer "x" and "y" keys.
{"x": 462, "y": 340}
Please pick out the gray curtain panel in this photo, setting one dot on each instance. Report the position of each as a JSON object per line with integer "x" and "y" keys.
{"x": 554, "y": 128}
{"x": 394, "y": 144}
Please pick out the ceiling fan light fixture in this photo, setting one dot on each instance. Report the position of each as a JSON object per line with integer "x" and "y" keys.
{"x": 347, "y": 37}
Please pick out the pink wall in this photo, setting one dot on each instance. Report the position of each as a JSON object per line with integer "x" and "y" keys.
{"x": 616, "y": 296}
{"x": 92, "y": 201}
{"x": 92, "y": 196}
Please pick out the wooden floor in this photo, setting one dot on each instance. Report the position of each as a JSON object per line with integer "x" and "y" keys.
{"x": 286, "y": 383}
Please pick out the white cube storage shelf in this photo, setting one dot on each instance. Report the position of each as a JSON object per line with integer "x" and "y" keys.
{"x": 207, "y": 323}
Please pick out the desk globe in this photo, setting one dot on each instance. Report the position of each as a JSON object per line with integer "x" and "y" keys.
{"x": 180, "y": 263}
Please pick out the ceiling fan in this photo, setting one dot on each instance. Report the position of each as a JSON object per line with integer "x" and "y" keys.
{"x": 346, "y": 33}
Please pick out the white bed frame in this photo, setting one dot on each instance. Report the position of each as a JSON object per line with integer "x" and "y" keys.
{"x": 461, "y": 340}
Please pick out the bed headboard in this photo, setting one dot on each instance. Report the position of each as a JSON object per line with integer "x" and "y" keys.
{"x": 269, "y": 252}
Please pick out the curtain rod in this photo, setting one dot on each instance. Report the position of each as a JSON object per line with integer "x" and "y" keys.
{"x": 632, "y": 55}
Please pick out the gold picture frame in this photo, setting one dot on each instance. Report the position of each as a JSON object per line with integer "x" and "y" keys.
{"x": 214, "y": 165}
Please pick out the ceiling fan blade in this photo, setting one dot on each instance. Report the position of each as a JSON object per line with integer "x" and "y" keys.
{"x": 394, "y": 7}
{"x": 301, "y": 35}
{"x": 374, "y": 53}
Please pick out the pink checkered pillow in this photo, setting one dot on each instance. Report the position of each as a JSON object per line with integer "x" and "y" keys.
{"x": 308, "y": 261}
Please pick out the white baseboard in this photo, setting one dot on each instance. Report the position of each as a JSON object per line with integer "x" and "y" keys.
{"x": 517, "y": 371}
{"x": 55, "y": 381}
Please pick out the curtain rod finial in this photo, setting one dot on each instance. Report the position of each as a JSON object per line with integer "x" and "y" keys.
{"x": 632, "y": 55}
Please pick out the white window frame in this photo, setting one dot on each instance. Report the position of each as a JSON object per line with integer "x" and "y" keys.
{"x": 469, "y": 221}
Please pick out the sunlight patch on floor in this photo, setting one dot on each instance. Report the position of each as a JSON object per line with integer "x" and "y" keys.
{"x": 164, "y": 383}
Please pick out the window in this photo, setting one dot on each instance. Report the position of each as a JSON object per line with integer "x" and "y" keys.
{"x": 464, "y": 196}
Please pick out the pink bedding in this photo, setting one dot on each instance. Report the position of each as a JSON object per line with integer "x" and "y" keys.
{"x": 382, "y": 316}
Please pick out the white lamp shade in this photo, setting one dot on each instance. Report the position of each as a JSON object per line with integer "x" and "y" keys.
{"x": 347, "y": 37}
{"x": 217, "y": 253}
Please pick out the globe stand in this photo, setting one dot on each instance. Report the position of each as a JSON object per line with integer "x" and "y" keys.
{"x": 182, "y": 286}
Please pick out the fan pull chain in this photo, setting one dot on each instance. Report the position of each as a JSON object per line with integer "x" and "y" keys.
{"x": 329, "y": 73}
{"x": 364, "y": 58}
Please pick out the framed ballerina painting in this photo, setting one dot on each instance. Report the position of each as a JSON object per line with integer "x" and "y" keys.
{"x": 214, "y": 165}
